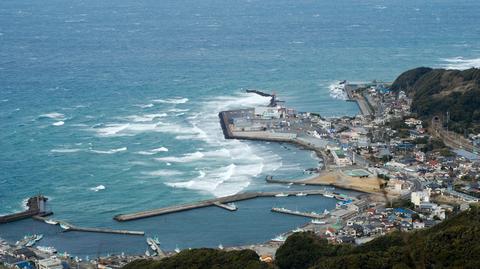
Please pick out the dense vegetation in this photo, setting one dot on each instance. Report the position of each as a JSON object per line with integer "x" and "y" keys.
{"x": 204, "y": 259}
{"x": 451, "y": 244}
{"x": 436, "y": 91}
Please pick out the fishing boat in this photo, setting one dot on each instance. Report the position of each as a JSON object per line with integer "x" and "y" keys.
{"x": 147, "y": 253}
{"x": 329, "y": 195}
{"x": 156, "y": 240}
{"x": 301, "y": 194}
{"x": 49, "y": 250}
{"x": 317, "y": 221}
{"x": 220, "y": 247}
{"x": 177, "y": 250}
{"x": 51, "y": 222}
{"x": 279, "y": 238}
{"x": 64, "y": 226}
{"x": 281, "y": 195}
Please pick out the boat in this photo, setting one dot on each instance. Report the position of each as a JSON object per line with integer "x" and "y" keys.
{"x": 152, "y": 243}
{"x": 51, "y": 222}
{"x": 231, "y": 206}
{"x": 329, "y": 195}
{"x": 177, "y": 250}
{"x": 301, "y": 194}
{"x": 50, "y": 250}
{"x": 147, "y": 253}
{"x": 156, "y": 240}
{"x": 326, "y": 212}
{"x": 281, "y": 195}
{"x": 38, "y": 237}
{"x": 220, "y": 247}
{"x": 279, "y": 238}
{"x": 317, "y": 221}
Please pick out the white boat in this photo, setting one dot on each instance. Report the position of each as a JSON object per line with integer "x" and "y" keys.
{"x": 220, "y": 247}
{"x": 156, "y": 240}
{"x": 326, "y": 212}
{"x": 147, "y": 253}
{"x": 64, "y": 226}
{"x": 279, "y": 238}
{"x": 317, "y": 221}
{"x": 38, "y": 237}
{"x": 231, "y": 206}
{"x": 50, "y": 250}
{"x": 51, "y": 222}
{"x": 301, "y": 194}
{"x": 329, "y": 195}
{"x": 177, "y": 250}
{"x": 152, "y": 243}
{"x": 281, "y": 195}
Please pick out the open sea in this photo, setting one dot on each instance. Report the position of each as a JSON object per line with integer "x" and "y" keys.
{"x": 110, "y": 107}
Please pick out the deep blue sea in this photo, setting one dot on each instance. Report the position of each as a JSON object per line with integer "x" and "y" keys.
{"x": 110, "y": 107}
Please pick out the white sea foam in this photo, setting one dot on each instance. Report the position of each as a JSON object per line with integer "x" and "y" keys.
{"x": 163, "y": 173}
{"x": 98, "y": 188}
{"x": 153, "y": 151}
{"x": 58, "y": 123}
{"x": 177, "y": 100}
{"x": 189, "y": 157}
{"x": 460, "y": 63}
{"x": 146, "y": 117}
{"x": 145, "y": 105}
{"x": 178, "y": 110}
{"x": 337, "y": 90}
{"x": 65, "y": 150}
{"x": 53, "y": 115}
{"x": 111, "y": 151}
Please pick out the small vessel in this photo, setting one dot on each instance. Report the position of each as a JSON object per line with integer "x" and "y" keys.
{"x": 220, "y": 247}
{"x": 329, "y": 195}
{"x": 231, "y": 206}
{"x": 152, "y": 243}
{"x": 147, "y": 253}
{"x": 51, "y": 222}
{"x": 281, "y": 195}
{"x": 301, "y": 194}
{"x": 177, "y": 250}
{"x": 64, "y": 226}
{"x": 279, "y": 238}
{"x": 326, "y": 212}
{"x": 317, "y": 221}
{"x": 156, "y": 240}
{"x": 38, "y": 237}
{"x": 50, "y": 250}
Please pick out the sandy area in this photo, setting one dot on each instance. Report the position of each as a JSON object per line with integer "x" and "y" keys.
{"x": 339, "y": 179}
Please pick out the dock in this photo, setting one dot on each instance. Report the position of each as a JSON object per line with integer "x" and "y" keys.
{"x": 36, "y": 207}
{"x": 67, "y": 227}
{"x": 312, "y": 215}
{"x": 210, "y": 202}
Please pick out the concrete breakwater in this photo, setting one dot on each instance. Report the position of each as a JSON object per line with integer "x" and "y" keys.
{"x": 210, "y": 202}
{"x": 36, "y": 206}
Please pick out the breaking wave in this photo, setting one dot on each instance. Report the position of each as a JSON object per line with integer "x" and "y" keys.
{"x": 111, "y": 151}
{"x": 53, "y": 115}
{"x": 177, "y": 100}
{"x": 153, "y": 151}
{"x": 337, "y": 90}
{"x": 460, "y": 63}
{"x": 98, "y": 188}
{"x": 160, "y": 173}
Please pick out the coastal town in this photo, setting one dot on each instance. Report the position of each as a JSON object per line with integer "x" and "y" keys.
{"x": 410, "y": 174}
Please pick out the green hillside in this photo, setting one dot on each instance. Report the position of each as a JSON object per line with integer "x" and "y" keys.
{"x": 436, "y": 91}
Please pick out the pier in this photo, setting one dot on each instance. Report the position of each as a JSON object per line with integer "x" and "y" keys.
{"x": 312, "y": 215}
{"x": 67, "y": 227}
{"x": 36, "y": 207}
{"x": 210, "y": 202}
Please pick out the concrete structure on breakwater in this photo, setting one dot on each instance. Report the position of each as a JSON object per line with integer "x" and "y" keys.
{"x": 209, "y": 202}
{"x": 36, "y": 207}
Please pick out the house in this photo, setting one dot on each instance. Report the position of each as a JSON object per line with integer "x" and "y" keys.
{"x": 417, "y": 197}
{"x": 50, "y": 263}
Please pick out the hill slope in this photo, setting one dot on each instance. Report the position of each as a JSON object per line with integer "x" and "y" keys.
{"x": 436, "y": 91}
{"x": 451, "y": 244}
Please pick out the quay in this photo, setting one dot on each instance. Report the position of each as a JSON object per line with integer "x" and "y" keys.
{"x": 36, "y": 207}
{"x": 312, "y": 215}
{"x": 67, "y": 227}
{"x": 210, "y": 202}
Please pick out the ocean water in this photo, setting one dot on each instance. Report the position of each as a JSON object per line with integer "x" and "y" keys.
{"x": 110, "y": 107}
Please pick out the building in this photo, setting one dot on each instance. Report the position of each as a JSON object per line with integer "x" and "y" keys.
{"x": 340, "y": 158}
{"x": 266, "y": 112}
{"x": 418, "y": 197}
{"x": 50, "y": 263}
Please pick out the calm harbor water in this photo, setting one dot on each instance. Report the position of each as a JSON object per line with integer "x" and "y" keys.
{"x": 110, "y": 107}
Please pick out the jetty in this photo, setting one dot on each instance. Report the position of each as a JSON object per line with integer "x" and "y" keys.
{"x": 68, "y": 227}
{"x": 210, "y": 202}
{"x": 312, "y": 215}
{"x": 36, "y": 207}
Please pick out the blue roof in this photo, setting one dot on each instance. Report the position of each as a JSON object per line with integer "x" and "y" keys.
{"x": 24, "y": 265}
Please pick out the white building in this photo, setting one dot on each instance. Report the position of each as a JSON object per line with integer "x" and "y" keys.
{"x": 50, "y": 263}
{"x": 267, "y": 112}
{"x": 417, "y": 197}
